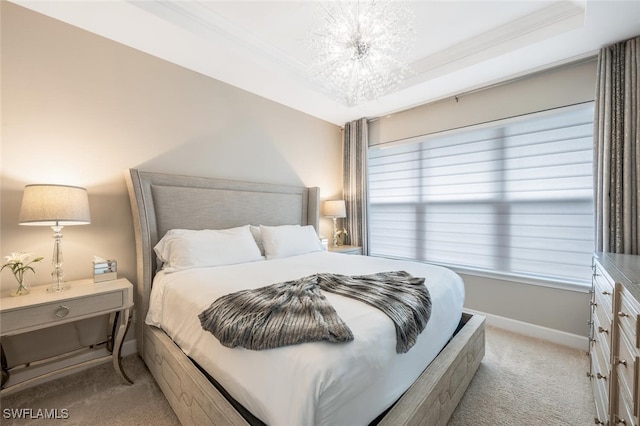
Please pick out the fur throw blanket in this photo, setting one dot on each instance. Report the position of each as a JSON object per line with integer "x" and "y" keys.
{"x": 293, "y": 312}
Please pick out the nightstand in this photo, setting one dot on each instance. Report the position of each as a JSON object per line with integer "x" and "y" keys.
{"x": 82, "y": 300}
{"x": 346, "y": 249}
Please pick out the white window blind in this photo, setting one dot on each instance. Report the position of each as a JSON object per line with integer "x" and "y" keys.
{"x": 513, "y": 197}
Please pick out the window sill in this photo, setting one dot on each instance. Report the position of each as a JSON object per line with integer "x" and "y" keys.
{"x": 577, "y": 286}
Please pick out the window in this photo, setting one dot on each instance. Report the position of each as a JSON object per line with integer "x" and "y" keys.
{"x": 513, "y": 197}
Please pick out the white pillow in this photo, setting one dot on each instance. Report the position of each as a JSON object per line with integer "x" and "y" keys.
{"x": 289, "y": 240}
{"x": 184, "y": 249}
{"x": 257, "y": 236}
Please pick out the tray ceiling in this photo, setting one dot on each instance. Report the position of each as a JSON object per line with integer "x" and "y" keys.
{"x": 260, "y": 46}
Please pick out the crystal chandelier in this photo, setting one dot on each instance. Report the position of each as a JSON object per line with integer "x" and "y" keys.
{"x": 359, "y": 49}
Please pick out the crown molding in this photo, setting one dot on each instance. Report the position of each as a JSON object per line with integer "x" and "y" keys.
{"x": 552, "y": 20}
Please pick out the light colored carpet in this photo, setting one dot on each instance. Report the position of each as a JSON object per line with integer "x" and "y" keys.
{"x": 96, "y": 396}
{"x": 528, "y": 382}
{"x": 521, "y": 381}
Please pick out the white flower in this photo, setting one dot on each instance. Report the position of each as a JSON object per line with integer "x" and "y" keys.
{"x": 19, "y": 257}
{"x": 19, "y": 263}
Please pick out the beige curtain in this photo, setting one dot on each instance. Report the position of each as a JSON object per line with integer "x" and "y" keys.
{"x": 355, "y": 182}
{"x": 617, "y": 148}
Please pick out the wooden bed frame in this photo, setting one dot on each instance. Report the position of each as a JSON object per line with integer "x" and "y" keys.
{"x": 160, "y": 202}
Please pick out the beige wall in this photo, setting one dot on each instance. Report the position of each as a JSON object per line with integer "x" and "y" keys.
{"x": 567, "y": 85}
{"x": 554, "y": 308}
{"x": 79, "y": 109}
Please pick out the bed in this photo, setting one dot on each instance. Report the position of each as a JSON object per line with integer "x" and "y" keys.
{"x": 198, "y": 375}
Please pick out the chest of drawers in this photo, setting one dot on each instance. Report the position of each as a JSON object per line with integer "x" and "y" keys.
{"x": 615, "y": 339}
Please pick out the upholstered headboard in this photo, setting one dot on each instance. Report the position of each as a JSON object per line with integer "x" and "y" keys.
{"x": 160, "y": 202}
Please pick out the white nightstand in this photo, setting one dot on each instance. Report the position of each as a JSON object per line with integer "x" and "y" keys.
{"x": 346, "y": 249}
{"x": 84, "y": 299}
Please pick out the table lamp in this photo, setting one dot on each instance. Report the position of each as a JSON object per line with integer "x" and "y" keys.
{"x": 335, "y": 209}
{"x": 55, "y": 206}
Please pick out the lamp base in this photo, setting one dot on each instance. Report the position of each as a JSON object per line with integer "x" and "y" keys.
{"x": 57, "y": 288}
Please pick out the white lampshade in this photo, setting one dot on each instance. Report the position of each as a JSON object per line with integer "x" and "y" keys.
{"x": 335, "y": 208}
{"x": 51, "y": 205}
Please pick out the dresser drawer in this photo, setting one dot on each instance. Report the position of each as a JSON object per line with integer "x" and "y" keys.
{"x": 623, "y": 412}
{"x": 603, "y": 289}
{"x": 601, "y": 344}
{"x": 600, "y": 387}
{"x": 47, "y": 314}
{"x": 602, "y": 323}
{"x": 626, "y": 366}
{"x": 629, "y": 317}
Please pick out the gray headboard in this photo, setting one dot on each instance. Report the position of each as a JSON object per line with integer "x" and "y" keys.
{"x": 160, "y": 202}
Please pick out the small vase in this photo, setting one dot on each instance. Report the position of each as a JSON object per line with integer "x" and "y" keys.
{"x": 23, "y": 288}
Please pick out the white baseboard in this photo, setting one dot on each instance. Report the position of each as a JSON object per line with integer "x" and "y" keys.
{"x": 549, "y": 334}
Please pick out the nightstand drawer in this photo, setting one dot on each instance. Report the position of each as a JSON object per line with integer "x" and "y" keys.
{"x": 21, "y": 320}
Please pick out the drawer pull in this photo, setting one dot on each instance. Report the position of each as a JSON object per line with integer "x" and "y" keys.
{"x": 600, "y": 376}
{"x": 62, "y": 311}
{"x": 606, "y": 293}
{"x": 621, "y": 361}
{"x": 622, "y": 314}
{"x": 603, "y": 330}
{"x": 620, "y": 421}
{"x": 594, "y": 304}
{"x": 598, "y": 421}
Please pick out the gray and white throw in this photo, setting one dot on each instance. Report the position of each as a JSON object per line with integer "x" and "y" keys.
{"x": 292, "y": 312}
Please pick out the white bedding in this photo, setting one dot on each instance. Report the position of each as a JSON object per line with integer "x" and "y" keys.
{"x": 316, "y": 383}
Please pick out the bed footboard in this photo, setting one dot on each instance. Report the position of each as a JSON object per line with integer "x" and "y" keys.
{"x": 429, "y": 401}
{"x": 435, "y": 395}
{"x": 193, "y": 398}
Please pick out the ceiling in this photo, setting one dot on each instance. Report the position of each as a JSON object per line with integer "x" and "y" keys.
{"x": 260, "y": 46}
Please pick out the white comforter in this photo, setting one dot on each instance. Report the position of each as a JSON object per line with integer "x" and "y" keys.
{"x": 316, "y": 383}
